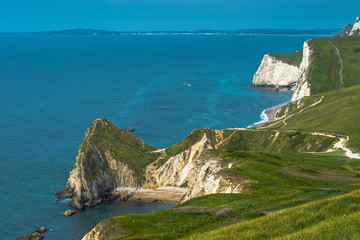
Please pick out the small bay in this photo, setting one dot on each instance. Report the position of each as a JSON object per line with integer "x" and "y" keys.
{"x": 54, "y": 86}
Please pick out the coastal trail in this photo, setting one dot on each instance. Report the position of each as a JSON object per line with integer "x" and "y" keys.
{"x": 341, "y": 144}
{"x": 341, "y": 65}
{"x": 291, "y": 115}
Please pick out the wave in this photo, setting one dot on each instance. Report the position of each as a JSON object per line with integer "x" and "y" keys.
{"x": 264, "y": 118}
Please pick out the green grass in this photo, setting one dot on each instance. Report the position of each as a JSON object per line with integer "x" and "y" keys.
{"x": 277, "y": 141}
{"x": 334, "y": 218}
{"x": 274, "y": 181}
{"x": 187, "y": 142}
{"x": 290, "y": 58}
{"x": 288, "y": 194}
{"x": 325, "y": 67}
{"x": 103, "y": 136}
{"x": 249, "y": 140}
{"x": 338, "y": 113}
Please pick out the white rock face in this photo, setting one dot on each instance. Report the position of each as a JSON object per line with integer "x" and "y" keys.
{"x": 302, "y": 87}
{"x": 274, "y": 72}
{"x": 356, "y": 27}
{"x": 199, "y": 169}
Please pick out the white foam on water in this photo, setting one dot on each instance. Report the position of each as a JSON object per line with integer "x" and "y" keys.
{"x": 263, "y": 116}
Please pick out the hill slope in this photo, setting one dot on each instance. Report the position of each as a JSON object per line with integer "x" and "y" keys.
{"x": 270, "y": 165}
{"x": 273, "y": 182}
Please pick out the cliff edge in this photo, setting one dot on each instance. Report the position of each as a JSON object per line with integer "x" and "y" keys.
{"x": 109, "y": 164}
{"x": 278, "y": 70}
{"x": 350, "y": 29}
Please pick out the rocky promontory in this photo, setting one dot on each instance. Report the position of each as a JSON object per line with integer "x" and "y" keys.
{"x": 110, "y": 164}
{"x": 113, "y": 162}
{"x": 278, "y": 70}
{"x": 350, "y": 29}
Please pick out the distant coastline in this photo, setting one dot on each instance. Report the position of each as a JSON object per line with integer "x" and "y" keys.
{"x": 80, "y": 31}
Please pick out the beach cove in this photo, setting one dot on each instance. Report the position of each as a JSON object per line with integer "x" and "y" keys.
{"x": 62, "y": 88}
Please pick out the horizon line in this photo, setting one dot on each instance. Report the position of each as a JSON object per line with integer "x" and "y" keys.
{"x": 175, "y": 31}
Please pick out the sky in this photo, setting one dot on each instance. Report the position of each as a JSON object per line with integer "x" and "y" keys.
{"x": 165, "y": 15}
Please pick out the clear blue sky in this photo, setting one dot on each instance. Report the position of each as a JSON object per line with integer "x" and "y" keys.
{"x": 149, "y": 15}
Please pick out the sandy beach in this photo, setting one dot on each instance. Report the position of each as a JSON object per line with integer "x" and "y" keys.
{"x": 164, "y": 194}
{"x": 270, "y": 115}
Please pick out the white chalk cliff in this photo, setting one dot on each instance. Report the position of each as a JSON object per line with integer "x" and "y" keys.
{"x": 274, "y": 72}
{"x": 302, "y": 87}
{"x": 350, "y": 30}
{"x": 199, "y": 169}
{"x": 356, "y": 27}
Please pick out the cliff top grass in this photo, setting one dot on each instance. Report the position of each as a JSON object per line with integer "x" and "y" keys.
{"x": 333, "y": 218}
{"x": 335, "y": 63}
{"x": 290, "y": 58}
{"x": 275, "y": 181}
{"x": 276, "y": 141}
{"x": 338, "y": 113}
{"x": 123, "y": 145}
{"x": 257, "y": 141}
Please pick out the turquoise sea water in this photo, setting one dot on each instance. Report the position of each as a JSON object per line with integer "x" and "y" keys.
{"x": 53, "y": 87}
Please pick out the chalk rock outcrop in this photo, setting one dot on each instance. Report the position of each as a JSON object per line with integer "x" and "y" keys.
{"x": 113, "y": 162}
{"x": 302, "y": 87}
{"x": 109, "y": 159}
{"x": 274, "y": 72}
{"x": 350, "y": 30}
{"x": 199, "y": 169}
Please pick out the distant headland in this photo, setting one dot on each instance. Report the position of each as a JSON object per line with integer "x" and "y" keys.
{"x": 84, "y": 31}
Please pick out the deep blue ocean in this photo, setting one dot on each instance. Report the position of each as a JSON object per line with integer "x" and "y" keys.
{"x": 53, "y": 87}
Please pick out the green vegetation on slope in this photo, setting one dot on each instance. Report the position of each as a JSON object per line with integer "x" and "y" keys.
{"x": 274, "y": 181}
{"x": 256, "y": 141}
{"x": 290, "y": 58}
{"x": 276, "y": 141}
{"x": 335, "y": 63}
{"x": 188, "y": 141}
{"x": 276, "y": 177}
{"x": 123, "y": 145}
{"x": 338, "y": 113}
{"x": 329, "y": 219}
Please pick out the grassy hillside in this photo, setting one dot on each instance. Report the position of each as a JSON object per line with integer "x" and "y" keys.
{"x": 122, "y": 144}
{"x": 288, "y": 194}
{"x": 276, "y": 141}
{"x": 335, "y": 63}
{"x": 274, "y": 182}
{"x": 290, "y": 58}
{"x": 338, "y": 113}
{"x": 334, "y": 218}
{"x": 256, "y": 141}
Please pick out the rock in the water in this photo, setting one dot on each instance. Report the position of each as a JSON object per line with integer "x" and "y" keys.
{"x": 69, "y": 212}
{"x": 34, "y": 236}
{"x": 130, "y": 129}
{"x": 60, "y": 194}
{"x": 41, "y": 229}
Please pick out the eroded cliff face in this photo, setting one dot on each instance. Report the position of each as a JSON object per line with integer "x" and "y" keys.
{"x": 302, "y": 87}
{"x": 355, "y": 28}
{"x": 274, "y": 72}
{"x": 113, "y": 162}
{"x": 350, "y": 30}
{"x": 199, "y": 170}
{"x": 100, "y": 168}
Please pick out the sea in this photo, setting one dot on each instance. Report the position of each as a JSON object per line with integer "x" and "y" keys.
{"x": 53, "y": 86}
